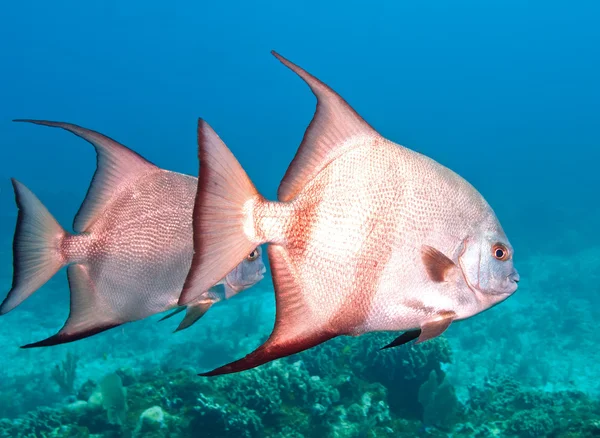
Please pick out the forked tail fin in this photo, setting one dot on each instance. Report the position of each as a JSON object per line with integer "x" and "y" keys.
{"x": 220, "y": 240}
{"x": 36, "y": 248}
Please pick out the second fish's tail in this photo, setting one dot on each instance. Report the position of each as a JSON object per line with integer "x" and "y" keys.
{"x": 37, "y": 254}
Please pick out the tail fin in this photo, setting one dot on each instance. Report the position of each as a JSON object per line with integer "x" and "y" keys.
{"x": 36, "y": 248}
{"x": 334, "y": 130}
{"x": 220, "y": 242}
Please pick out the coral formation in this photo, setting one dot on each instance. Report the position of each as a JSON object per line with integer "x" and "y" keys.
{"x": 297, "y": 397}
{"x": 485, "y": 382}
{"x": 65, "y": 373}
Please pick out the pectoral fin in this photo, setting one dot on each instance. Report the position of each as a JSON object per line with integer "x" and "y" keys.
{"x": 173, "y": 313}
{"x": 436, "y": 264}
{"x": 194, "y": 312}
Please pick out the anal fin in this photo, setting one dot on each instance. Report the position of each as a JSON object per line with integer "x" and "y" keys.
{"x": 295, "y": 328}
{"x": 88, "y": 316}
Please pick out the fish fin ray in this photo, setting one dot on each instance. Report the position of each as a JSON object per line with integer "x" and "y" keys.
{"x": 116, "y": 165}
{"x": 294, "y": 330}
{"x": 36, "y": 248}
{"x": 173, "y": 313}
{"x": 333, "y": 125}
{"x": 88, "y": 314}
{"x": 433, "y": 329}
{"x": 404, "y": 338}
{"x": 436, "y": 264}
{"x": 220, "y": 242}
{"x": 193, "y": 313}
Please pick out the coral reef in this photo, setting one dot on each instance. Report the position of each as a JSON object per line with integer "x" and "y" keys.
{"x": 296, "y": 397}
{"x": 440, "y": 405}
{"x": 65, "y": 373}
{"x": 508, "y": 373}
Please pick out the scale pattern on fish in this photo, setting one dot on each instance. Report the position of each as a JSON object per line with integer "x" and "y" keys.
{"x": 367, "y": 235}
{"x": 132, "y": 249}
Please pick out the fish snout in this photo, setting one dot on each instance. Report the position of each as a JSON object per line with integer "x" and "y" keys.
{"x": 261, "y": 274}
{"x": 514, "y": 277}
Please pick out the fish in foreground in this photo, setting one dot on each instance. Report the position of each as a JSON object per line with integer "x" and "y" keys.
{"x": 132, "y": 249}
{"x": 367, "y": 236}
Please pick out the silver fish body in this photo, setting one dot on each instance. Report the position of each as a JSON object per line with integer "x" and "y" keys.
{"x": 367, "y": 235}
{"x": 244, "y": 276}
{"x": 133, "y": 247}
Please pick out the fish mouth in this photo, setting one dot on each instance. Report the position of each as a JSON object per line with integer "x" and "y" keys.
{"x": 513, "y": 283}
{"x": 261, "y": 274}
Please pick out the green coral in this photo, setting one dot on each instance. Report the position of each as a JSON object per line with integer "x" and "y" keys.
{"x": 65, "y": 374}
{"x": 360, "y": 393}
{"x": 222, "y": 420}
{"x": 403, "y": 369}
{"x": 530, "y": 424}
{"x": 440, "y": 405}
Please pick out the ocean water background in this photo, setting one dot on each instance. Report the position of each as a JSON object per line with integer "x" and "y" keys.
{"x": 504, "y": 93}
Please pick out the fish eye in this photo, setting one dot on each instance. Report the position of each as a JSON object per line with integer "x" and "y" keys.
{"x": 252, "y": 256}
{"x": 500, "y": 252}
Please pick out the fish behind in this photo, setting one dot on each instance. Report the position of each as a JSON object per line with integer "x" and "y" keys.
{"x": 367, "y": 235}
{"x": 132, "y": 247}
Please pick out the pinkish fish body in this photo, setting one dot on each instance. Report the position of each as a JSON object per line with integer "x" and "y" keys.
{"x": 132, "y": 249}
{"x": 367, "y": 236}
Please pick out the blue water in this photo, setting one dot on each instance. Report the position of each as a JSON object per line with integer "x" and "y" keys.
{"x": 506, "y": 93}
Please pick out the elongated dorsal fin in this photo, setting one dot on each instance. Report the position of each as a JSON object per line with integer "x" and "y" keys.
{"x": 328, "y": 135}
{"x": 116, "y": 166}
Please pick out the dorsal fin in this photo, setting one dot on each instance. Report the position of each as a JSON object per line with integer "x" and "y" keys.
{"x": 116, "y": 165}
{"x": 326, "y": 137}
